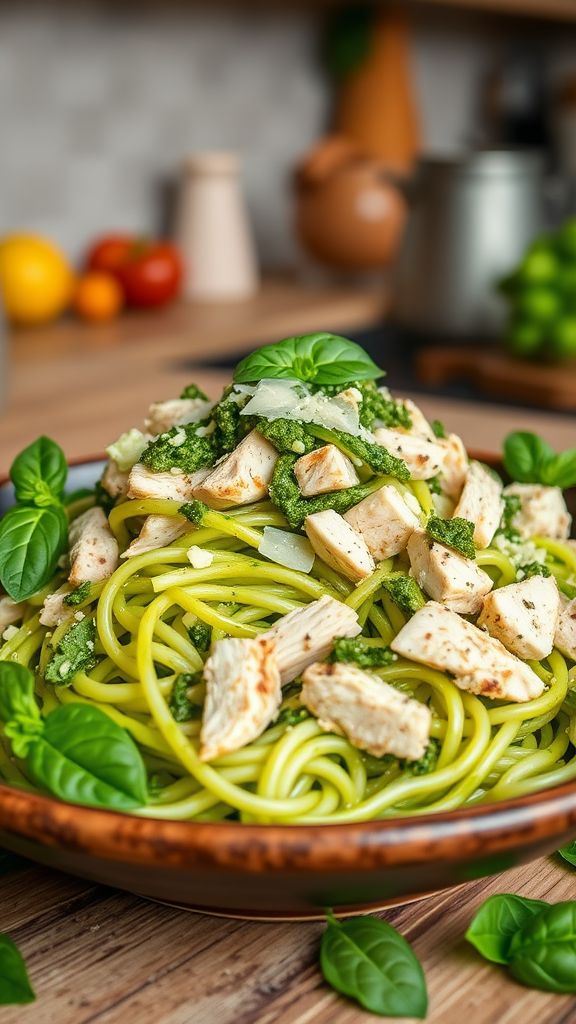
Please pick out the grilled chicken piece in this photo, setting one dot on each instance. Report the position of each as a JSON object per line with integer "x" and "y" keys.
{"x": 420, "y": 425}
{"x": 114, "y": 480}
{"x": 10, "y": 612}
{"x": 481, "y": 503}
{"x": 523, "y": 616}
{"x": 93, "y": 548}
{"x": 324, "y": 470}
{"x": 157, "y": 532}
{"x": 385, "y": 522}
{"x": 162, "y": 416}
{"x": 243, "y": 695}
{"x": 307, "y": 634}
{"x": 565, "y": 636}
{"x": 455, "y": 465}
{"x": 542, "y": 511}
{"x": 447, "y": 576}
{"x": 337, "y": 544}
{"x": 370, "y": 713}
{"x": 479, "y": 663}
{"x": 242, "y": 477}
{"x": 424, "y": 458}
{"x": 143, "y": 483}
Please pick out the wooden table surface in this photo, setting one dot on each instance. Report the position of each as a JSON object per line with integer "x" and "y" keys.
{"x": 96, "y": 955}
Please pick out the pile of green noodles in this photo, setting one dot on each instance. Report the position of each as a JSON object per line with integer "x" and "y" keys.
{"x": 293, "y": 773}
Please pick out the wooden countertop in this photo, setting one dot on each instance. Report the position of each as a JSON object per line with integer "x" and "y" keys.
{"x": 101, "y": 956}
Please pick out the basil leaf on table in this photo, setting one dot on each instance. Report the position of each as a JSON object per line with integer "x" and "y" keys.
{"x": 31, "y": 542}
{"x": 17, "y": 692}
{"x": 568, "y": 853}
{"x": 366, "y": 959}
{"x": 543, "y": 953}
{"x": 15, "y": 987}
{"x": 39, "y": 472}
{"x": 496, "y": 922}
{"x": 320, "y": 358}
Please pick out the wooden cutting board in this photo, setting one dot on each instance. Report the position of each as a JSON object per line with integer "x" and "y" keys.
{"x": 552, "y": 386}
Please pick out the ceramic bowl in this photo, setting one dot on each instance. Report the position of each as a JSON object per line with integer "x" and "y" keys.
{"x": 282, "y": 872}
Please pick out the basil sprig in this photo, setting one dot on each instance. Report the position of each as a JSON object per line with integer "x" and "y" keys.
{"x": 318, "y": 358}
{"x": 367, "y": 960}
{"x": 76, "y": 753}
{"x": 495, "y": 924}
{"x": 15, "y": 987}
{"x": 530, "y": 459}
{"x": 34, "y": 533}
{"x": 568, "y": 853}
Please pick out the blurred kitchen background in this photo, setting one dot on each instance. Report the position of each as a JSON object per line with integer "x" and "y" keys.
{"x": 403, "y": 173}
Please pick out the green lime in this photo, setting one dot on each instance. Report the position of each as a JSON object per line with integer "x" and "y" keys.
{"x": 567, "y": 238}
{"x": 562, "y": 337}
{"x": 524, "y": 338}
{"x": 566, "y": 284}
{"x": 539, "y": 266}
{"x": 539, "y": 304}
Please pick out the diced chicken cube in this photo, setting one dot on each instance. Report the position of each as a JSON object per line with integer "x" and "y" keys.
{"x": 420, "y": 426}
{"x": 523, "y": 616}
{"x": 542, "y": 511}
{"x": 54, "y": 612}
{"x": 565, "y": 635}
{"x": 481, "y": 503}
{"x": 242, "y": 477}
{"x": 455, "y": 465}
{"x": 438, "y": 637}
{"x": 157, "y": 532}
{"x": 424, "y": 458}
{"x": 93, "y": 548}
{"x": 447, "y": 576}
{"x": 384, "y": 520}
{"x": 143, "y": 483}
{"x": 114, "y": 480}
{"x": 10, "y": 612}
{"x": 370, "y": 713}
{"x": 337, "y": 544}
{"x": 307, "y": 634}
{"x": 323, "y": 470}
{"x": 176, "y": 411}
{"x": 243, "y": 695}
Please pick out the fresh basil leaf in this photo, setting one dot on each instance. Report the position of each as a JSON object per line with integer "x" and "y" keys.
{"x": 496, "y": 922}
{"x": 31, "y": 542}
{"x": 82, "y": 756}
{"x": 15, "y": 987}
{"x": 39, "y": 471}
{"x": 543, "y": 952}
{"x": 17, "y": 692}
{"x": 560, "y": 470}
{"x": 75, "y": 653}
{"x": 568, "y": 853}
{"x": 524, "y": 456}
{"x": 368, "y": 960}
{"x": 319, "y": 358}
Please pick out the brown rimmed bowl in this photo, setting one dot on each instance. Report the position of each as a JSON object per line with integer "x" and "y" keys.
{"x": 281, "y": 872}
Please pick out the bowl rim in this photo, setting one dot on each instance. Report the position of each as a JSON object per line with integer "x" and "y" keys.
{"x": 452, "y": 835}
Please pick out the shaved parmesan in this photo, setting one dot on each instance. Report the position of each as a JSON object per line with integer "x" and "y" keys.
{"x": 199, "y": 558}
{"x": 289, "y": 549}
{"x": 291, "y": 400}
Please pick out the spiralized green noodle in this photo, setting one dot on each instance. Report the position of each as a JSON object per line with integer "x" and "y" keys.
{"x": 488, "y": 750}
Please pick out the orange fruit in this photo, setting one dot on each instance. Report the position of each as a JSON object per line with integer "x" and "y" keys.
{"x": 98, "y": 296}
{"x": 35, "y": 279}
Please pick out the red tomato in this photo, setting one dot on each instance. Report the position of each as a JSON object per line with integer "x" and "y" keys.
{"x": 108, "y": 254}
{"x": 152, "y": 274}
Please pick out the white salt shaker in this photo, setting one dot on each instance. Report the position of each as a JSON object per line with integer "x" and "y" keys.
{"x": 213, "y": 230}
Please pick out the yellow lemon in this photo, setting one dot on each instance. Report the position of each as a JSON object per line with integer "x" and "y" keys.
{"x": 35, "y": 279}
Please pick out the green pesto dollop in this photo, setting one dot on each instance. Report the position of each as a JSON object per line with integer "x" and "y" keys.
{"x": 285, "y": 494}
{"x": 404, "y": 591}
{"x": 359, "y": 652}
{"x": 457, "y": 533}
{"x": 179, "y": 448}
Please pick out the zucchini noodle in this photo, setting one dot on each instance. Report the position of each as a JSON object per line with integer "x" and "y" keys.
{"x": 295, "y": 772}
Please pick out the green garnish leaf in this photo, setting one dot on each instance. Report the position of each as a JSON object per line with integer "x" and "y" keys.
{"x": 404, "y": 591}
{"x": 438, "y": 428}
{"x": 181, "y": 448}
{"x": 457, "y": 533}
{"x": 39, "y": 473}
{"x": 193, "y": 391}
{"x": 15, "y": 987}
{"x": 320, "y": 358}
{"x": 181, "y": 708}
{"x": 366, "y": 959}
{"x": 530, "y": 459}
{"x": 74, "y": 653}
{"x": 568, "y": 853}
{"x": 542, "y": 953}
{"x": 78, "y": 595}
{"x": 360, "y": 652}
{"x": 495, "y": 924}
{"x": 31, "y": 542}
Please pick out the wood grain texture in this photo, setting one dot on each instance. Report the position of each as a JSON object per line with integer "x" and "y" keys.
{"x": 95, "y": 955}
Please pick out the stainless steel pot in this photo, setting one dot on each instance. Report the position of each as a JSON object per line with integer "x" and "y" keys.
{"x": 472, "y": 217}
